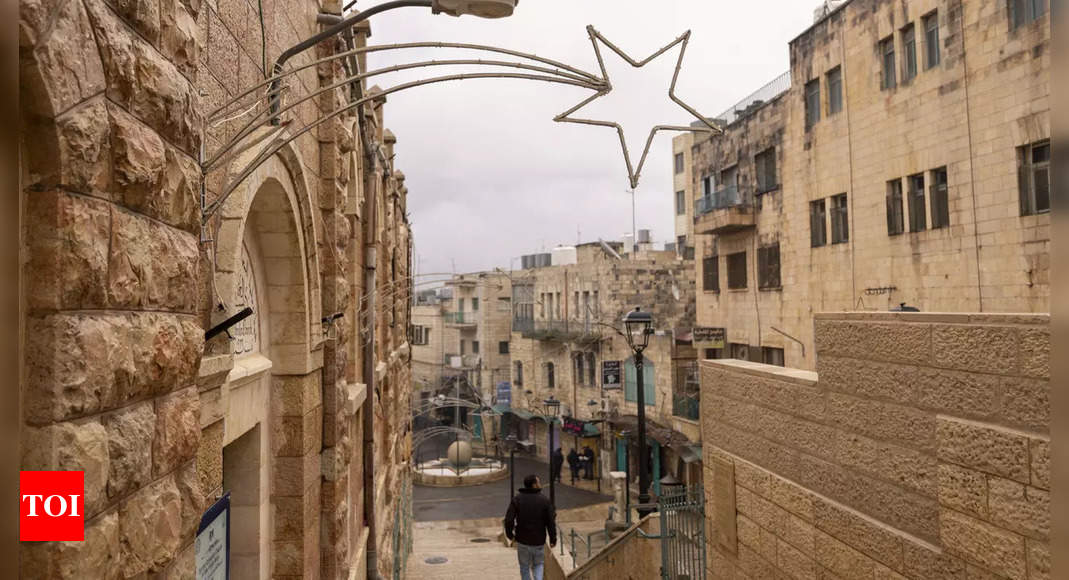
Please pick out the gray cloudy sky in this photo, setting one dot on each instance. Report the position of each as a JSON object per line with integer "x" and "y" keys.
{"x": 492, "y": 177}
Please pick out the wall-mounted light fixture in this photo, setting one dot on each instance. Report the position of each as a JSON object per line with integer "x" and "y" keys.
{"x": 330, "y": 328}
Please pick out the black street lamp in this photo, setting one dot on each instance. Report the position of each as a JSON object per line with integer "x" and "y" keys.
{"x": 639, "y": 328}
{"x": 511, "y": 440}
{"x": 550, "y": 409}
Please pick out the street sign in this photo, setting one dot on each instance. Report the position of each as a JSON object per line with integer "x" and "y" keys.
{"x": 709, "y": 337}
{"x": 504, "y": 393}
{"x": 610, "y": 375}
{"x": 213, "y": 542}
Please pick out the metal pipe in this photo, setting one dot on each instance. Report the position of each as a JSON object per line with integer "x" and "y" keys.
{"x": 331, "y": 31}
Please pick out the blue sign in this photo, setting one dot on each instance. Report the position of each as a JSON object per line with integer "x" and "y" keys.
{"x": 504, "y": 393}
{"x": 212, "y": 551}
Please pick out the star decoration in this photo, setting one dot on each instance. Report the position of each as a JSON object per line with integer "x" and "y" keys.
{"x": 634, "y": 172}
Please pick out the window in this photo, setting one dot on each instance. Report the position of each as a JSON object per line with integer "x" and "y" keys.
{"x": 576, "y": 309}
{"x": 679, "y": 163}
{"x": 556, "y": 304}
{"x": 918, "y": 218}
{"x": 840, "y": 225}
{"x": 887, "y": 53}
{"x": 518, "y": 379}
{"x": 542, "y": 305}
{"x": 474, "y": 347}
{"x": 895, "y": 221}
{"x": 551, "y": 380}
{"x": 503, "y": 347}
{"x": 577, "y": 367}
{"x": 474, "y": 304}
{"x": 812, "y": 103}
{"x": 462, "y": 347}
{"x": 714, "y": 353}
{"x": 681, "y": 202}
{"x": 818, "y": 225}
{"x": 730, "y": 177}
{"x": 909, "y": 53}
{"x": 460, "y": 305}
{"x": 419, "y": 335}
{"x": 772, "y": 356}
{"x": 592, "y": 368}
{"x": 711, "y": 274}
{"x": 765, "y": 164}
{"x": 768, "y": 267}
{"x": 938, "y": 199}
{"x": 931, "y": 39}
{"x": 1033, "y": 175}
{"x": 504, "y": 304}
{"x": 739, "y": 351}
{"x": 737, "y": 270}
{"x": 649, "y": 388}
{"x": 835, "y": 91}
{"x": 1025, "y": 11}
{"x": 707, "y": 186}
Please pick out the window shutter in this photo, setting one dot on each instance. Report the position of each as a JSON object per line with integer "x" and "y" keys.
{"x": 1023, "y": 186}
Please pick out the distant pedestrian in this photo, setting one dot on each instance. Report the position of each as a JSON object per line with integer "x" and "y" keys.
{"x": 556, "y": 462}
{"x": 529, "y": 519}
{"x": 588, "y": 454}
{"x": 573, "y": 464}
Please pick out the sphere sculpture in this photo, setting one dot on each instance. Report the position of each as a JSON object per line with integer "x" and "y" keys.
{"x": 459, "y": 454}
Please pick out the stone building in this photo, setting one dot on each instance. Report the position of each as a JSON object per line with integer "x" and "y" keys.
{"x": 909, "y": 453}
{"x": 565, "y": 326}
{"x": 903, "y": 159}
{"x": 300, "y": 411}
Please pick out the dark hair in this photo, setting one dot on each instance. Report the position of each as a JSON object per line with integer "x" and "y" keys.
{"x": 529, "y": 481}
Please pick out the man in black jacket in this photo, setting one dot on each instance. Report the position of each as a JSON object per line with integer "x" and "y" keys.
{"x": 529, "y": 518}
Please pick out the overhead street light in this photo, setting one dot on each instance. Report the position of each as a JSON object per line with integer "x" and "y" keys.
{"x": 480, "y": 8}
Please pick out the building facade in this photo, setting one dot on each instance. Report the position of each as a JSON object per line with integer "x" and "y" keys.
{"x": 565, "y": 327}
{"x": 300, "y": 411}
{"x": 903, "y": 160}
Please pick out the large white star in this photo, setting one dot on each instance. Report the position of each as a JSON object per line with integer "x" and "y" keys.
{"x": 633, "y": 172}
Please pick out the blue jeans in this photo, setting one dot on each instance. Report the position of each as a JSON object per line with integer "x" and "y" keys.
{"x": 532, "y": 560}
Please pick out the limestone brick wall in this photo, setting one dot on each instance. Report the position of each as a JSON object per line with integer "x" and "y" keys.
{"x": 920, "y": 449}
{"x": 988, "y": 95}
{"x": 684, "y": 223}
{"x": 122, "y": 282}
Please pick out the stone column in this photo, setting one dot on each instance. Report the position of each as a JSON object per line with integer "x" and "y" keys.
{"x": 619, "y": 495}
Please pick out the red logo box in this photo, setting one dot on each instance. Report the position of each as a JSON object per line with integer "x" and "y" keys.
{"x": 51, "y": 506}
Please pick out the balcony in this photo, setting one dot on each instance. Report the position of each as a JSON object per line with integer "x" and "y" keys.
{"x": 726, "y": 210}
{"x": 461, "y": 361}
{"x": 686, "y": 407}
{"x": 460, "y": 318}
{"x": 556, "y": 330}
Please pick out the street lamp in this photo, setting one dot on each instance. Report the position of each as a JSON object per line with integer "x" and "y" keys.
{"x": 511, "y": 441}
{"x": 550, "y": 409}
{"x": 639, "y": 328}
{"x": 480, "y": 8}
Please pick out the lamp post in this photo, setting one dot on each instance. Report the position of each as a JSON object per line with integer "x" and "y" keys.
{"x": 639, "y": 327}
{"x": 550, "y": 408}
{"x": 627, "y": 473}
{"x": 511, "y": 439}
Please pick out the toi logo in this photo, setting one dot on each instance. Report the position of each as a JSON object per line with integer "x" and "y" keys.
{"x": 51, "y": 506}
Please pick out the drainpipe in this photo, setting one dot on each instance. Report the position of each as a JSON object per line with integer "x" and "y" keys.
{"x": 369, "y": 364}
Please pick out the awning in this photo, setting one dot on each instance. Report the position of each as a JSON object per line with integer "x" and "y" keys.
{"x": 521, "y": 413}
{"x": 690, "y": 453}
{"x": 665, "y": 436}
{"x": 501, "y": 409}
{"x": 590, "y": 431}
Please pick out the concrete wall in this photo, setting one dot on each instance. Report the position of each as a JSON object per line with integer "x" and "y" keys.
{"x": 988, "y": 95}
{"x": 920, "y": 449}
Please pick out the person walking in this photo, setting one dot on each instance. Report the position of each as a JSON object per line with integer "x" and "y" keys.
{"x": 588, "y": 453}
{"x": 557, "y": 462}
{"x": 529, "y": 519}
{"x": 573, "y": 464}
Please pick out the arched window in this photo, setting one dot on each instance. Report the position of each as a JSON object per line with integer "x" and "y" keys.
{"x": 519, "y": 374}
{"x": 550, "y": 378}
{"x": 649, "y": 387}
{"x": 592, "y": 368}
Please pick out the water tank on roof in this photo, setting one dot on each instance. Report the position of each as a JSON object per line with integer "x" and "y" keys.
{"x": 629, "y": 243}
{"x": 643, "y": 236}
{"x": 564, "y": 255}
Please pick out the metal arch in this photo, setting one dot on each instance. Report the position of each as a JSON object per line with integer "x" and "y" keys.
{"x": 633, "y": 172}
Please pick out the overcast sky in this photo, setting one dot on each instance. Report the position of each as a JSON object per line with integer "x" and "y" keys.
{"x": 490, "y": 175}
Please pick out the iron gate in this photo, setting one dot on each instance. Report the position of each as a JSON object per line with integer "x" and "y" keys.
{"x": 682, "y": 534}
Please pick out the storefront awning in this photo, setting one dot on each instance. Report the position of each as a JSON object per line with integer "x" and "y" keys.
{"x": 691, "y": 453}
{"x": 665, "y": 436}
{"x": 501, "y": 409}
{"x": 521, "y": 413}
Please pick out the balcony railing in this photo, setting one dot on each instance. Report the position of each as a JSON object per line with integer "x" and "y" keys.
{"x": 461, "y": 361}
{"x": 554, "y": 329}
{"x": 686, "y": 407}
{"x": 460, "y": 317}
{"x": 723, "y": 198}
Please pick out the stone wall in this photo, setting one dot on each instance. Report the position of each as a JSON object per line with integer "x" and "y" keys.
{"x": 988, "y": 95}
{"x": 920, "y": 449}
{"x": 122, "y": 281}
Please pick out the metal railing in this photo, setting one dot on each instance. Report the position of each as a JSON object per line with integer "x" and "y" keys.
{"x": 682, "y": 533}
{"x": 555, "y": 329}
{"x": 460, "y": 317}
{"x": 723, "y": 198}
{"x": 588, "y": 541}
{"x": 685, "y": 406}
{"x": 755, "y": 100}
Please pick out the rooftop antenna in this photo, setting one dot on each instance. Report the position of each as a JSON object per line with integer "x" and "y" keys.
{"x": 578, "y": 235}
